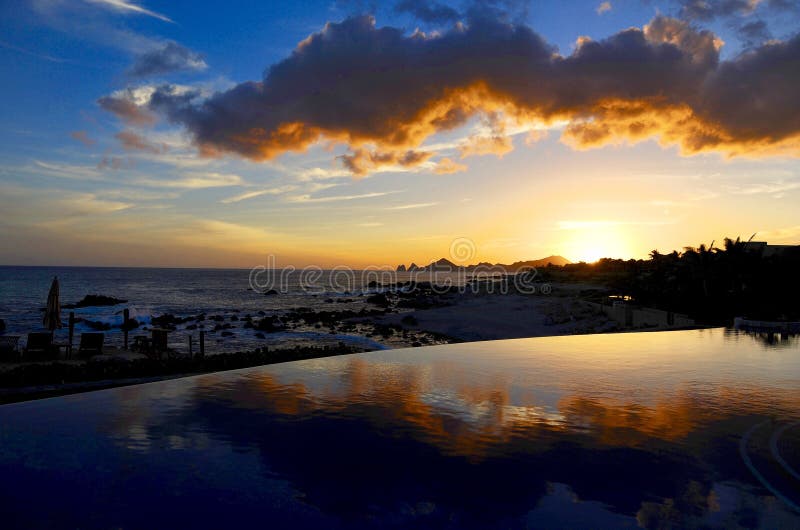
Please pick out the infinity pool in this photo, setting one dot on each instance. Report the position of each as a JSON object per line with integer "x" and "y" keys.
{"x": 689, "y": 429}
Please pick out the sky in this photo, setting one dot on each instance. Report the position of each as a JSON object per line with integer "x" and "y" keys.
{"x": 217, "y": 134}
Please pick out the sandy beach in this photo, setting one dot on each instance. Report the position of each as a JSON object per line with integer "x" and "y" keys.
{"x": 509, "y": 316}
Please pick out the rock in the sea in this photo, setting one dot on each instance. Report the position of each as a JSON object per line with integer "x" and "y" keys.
{"x": 413, "y": 267}
{"x": 271, "y": 292}
{"x": 168, "y": 321}
{"x": 97, "y": 326}
{"x": 270, "y": 324}
{"x": 95, "y": 300}
{"x": 401, "y": 268}
{"x": 379, "y": 299}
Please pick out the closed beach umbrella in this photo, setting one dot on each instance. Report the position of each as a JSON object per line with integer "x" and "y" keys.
{"x": 52, "y": 315}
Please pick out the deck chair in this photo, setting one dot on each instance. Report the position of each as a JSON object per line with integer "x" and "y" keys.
{"x": 8, "y": 348}
{"x": 91, "y": 344}
{"x": 39, "y": 345}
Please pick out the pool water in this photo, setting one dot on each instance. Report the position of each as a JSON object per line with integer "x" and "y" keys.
{"x": 682, "y": 429}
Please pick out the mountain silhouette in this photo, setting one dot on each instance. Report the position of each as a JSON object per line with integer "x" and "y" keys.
{"x": 444, "y": 265}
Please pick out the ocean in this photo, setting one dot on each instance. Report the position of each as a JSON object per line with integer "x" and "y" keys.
{"x": 225, "y": 293}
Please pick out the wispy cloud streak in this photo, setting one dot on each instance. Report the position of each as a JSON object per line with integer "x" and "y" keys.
{"x": 122, "y": 6}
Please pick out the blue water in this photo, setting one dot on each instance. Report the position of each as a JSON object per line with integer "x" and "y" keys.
{"x": 186, "y": 292}
{"x": 682, "y": 429}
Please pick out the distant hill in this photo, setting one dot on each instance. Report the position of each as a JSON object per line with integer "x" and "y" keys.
{"x": 444, "y": 265}
{"x": 544, "y": 262}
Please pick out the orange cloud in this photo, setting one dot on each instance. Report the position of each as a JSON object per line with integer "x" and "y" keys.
{"x": 383, "y": 93}
{"x": 363, "y": 161}
{"x": 486, "y": 145}
{"x": 446, "y": 166}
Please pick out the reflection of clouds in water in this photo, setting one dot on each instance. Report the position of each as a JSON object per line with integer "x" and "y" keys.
{"x": 467, "y": 412}
{"x": 441, "y": 432}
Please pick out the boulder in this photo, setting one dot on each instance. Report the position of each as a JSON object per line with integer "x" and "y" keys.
{"x": 95, "y": 300}
{"x": 270, "y": 325}
{"x": 379, "y": 299}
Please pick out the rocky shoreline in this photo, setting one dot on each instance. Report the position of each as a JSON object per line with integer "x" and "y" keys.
{"x": 390, "y": 315}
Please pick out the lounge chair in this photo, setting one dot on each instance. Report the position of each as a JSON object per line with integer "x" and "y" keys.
{"x": 91, "y": 344}
{"x": 39, "y": 345}
{"x": 8, "y": 348}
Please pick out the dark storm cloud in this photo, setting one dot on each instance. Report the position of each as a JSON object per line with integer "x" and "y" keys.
{"x": 383, "y": 92}
{"x": 753, "y": 33}
{"x": 171, "y": 57}
{"x": 755, "y": 96}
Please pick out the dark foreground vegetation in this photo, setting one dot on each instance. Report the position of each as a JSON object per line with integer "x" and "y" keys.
{"x": 712, "y": 285}
{"x": 35, "y": 380}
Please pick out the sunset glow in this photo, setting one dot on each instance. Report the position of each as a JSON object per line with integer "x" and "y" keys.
{"x": 172, "y": 149}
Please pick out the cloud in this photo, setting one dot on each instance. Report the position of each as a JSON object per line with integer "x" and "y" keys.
{"x": 258, "y": 193}
{"x": 194, "y": 180}
{"x": 414, "y": 206}
{"x": 383, "y": 93}
{"x": 129, "y": 8}
{"x": 26, "y": 51}
{"x": 115, "y": 163}
{"x": 134, "y": 142}
{"x": 604, "y": 7}
{"x": 446, "y": 166}
{"x": 432, "y": 12}
{"x": 486, "y": 145}
{"x": 54, "y": 169}
{"x": 583, "y": 225}
{"x": 753, "y": 33}
{"x": 171, "y": 57}
{"x": 61, "y": 206}
{"x": 130, "y": 105}
{"x": 788, "y": 234}
{"x": 339, "y": 198}
{"x": 773, "y": 188}
{"x": 82, "y": 137}
{"x": 363, "y": 161}
{"x": 709, "y": 10}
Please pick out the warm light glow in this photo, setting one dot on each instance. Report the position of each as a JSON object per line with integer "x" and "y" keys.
{"x": 593, "y": 240}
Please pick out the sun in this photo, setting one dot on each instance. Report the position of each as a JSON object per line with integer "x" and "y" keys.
{"x": 591, "y": 254}
{"x": 590, "y": 243}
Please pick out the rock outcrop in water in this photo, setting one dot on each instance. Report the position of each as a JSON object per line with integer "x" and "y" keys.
{"x": 95, "y": 300}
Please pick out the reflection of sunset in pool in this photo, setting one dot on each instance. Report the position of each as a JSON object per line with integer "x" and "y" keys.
{"x": 624, "y": 429}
